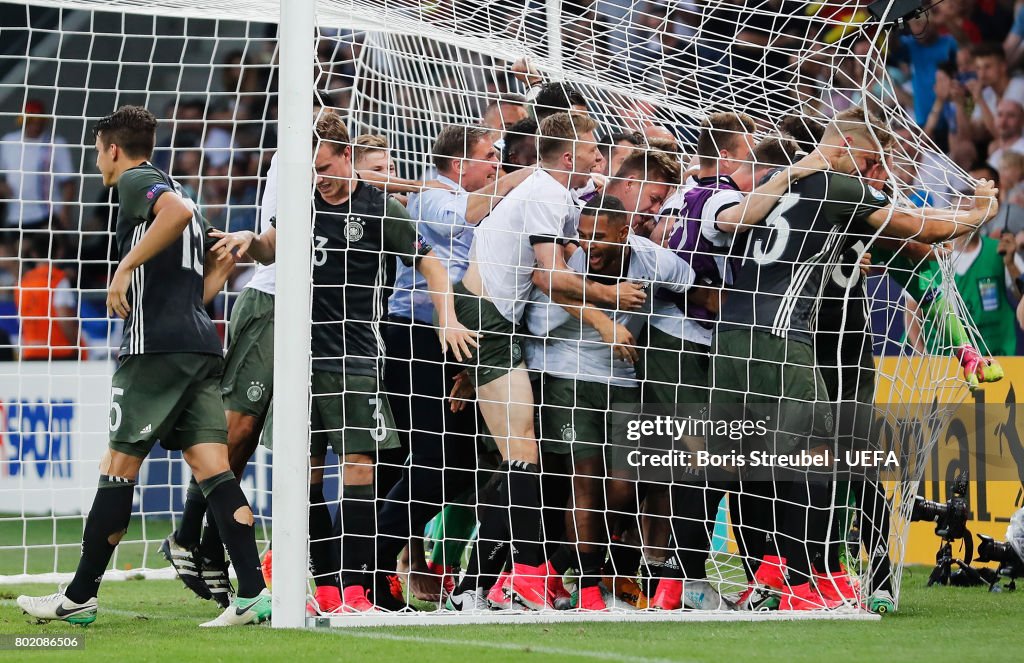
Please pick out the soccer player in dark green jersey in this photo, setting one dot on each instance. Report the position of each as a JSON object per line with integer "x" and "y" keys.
{"x": 166, "y": 386}
{"x": 764, "y": 352}
{"x": 843, "y": 350}
{"x": 355, "y": 225}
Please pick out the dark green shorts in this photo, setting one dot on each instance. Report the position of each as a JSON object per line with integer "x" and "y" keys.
{"x": 675, "y": 371}
{"x": 351, "y": 414}
{"x": 576, "y": 416}
{"x": 500, "y": 349}
{"x": 758, "y": 376}
{"x": 170, "y": 398}
{"x": 248, "y": 382}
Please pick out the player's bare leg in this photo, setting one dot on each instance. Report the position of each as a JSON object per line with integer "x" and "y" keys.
{"x": 506, "y": 404}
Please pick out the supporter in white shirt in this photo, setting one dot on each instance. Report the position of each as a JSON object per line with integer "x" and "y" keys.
{"x": 38, "y": 178}
{"x": 1009, "y": 130}
{"x": 992, "y": 86}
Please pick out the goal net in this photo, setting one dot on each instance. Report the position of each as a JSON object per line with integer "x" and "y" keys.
{"x": 648, "y": 74}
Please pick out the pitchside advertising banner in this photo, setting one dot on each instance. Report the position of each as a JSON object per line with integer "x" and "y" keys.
{"x": 54, "y": 419}
{"x": 985, "y": 437}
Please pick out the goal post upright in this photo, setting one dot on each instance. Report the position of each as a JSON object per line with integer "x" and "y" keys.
{"x": 292, "y": 313}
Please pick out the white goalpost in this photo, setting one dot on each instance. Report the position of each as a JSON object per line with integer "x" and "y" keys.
{"x": 234, "y": 83}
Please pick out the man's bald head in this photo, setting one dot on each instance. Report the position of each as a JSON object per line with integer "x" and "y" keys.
{"x": 1009, "y": 119}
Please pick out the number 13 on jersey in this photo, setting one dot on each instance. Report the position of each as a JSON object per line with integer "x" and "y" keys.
{"x": 192, "y": 242}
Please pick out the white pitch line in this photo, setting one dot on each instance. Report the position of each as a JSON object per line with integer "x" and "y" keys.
{"x": 505, "y": 646}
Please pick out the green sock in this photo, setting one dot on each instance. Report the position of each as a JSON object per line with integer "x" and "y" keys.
{"x": 940, "y": 314}
{"x": 453, "y": 528}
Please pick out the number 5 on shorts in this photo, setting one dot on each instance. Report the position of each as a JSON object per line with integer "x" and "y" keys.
{"x": 380, "y": 432}
{"x": 115, "y": 408}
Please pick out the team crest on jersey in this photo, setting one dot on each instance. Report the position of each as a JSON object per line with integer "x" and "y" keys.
{"x": 255, "y": 391}
{"x": 568, "y": 433}
{"x": 354, "y": 229}
{"x": 517, "y": 352}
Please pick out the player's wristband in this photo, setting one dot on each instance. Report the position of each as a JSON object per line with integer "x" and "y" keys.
{"x": 1019, "y": 283}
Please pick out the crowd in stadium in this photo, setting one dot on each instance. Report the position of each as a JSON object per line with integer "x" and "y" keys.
{"x": 219, "y": 148}
{"x": 634, "y": 271}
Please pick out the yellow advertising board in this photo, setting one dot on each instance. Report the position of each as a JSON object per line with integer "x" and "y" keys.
{"x": 983, "y": 436}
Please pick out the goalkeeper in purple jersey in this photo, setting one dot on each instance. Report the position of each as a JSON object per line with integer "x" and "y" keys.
{"x": 676, "y": 361}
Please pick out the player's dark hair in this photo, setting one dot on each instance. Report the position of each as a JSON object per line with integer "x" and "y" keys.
{"x": 806, "y": 131}
{"x": 455, "y": 142}
{"x": 722, "y": 131}
{"x": 634, "y": 138}
{"x": 775, "y": 152}
{"x": 331, "y": 129}
{"x": 516, "y": 135}
{"x": 556, "y": 98}
{"x": 608, "y": 206}
{"x": 323, "y": 98}
{"x": 35, "y": 246}
{"x": 131, "y": 128}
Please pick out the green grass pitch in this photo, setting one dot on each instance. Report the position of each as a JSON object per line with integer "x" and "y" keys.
{"x": 152, "y": 620}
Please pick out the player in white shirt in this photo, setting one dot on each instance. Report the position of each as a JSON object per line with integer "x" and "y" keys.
{"x": 584, "y": 380}
{"x": 521, "y": 243}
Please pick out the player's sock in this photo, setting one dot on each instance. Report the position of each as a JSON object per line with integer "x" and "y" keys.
{"x": 563, "y": 559}
{"x": 941, "y": 314}
{"x": 874, "y": 531}
{"x": 752, "y": 512}
{"x": 107, "y": 522}
{"x": 591, "y": 567}
{"x": 211, "y": 546}
{"x": 235, "y": 523}
{"x": 358, "y": 520}
{"x": 823, "y": 528}
{"x": 694, "y": 508}
{"x": 623, "y": 559}
{"x": 457, "y": 525}
{"x": 524, "y": 512}
{"x": 491, "y": 550}
{"x": 191, "y": 525}
{"x": 324, "y": 550}
{"x": 805, "y": 498}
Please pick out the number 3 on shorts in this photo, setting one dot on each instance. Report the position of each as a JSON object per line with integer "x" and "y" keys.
{"x": 380, "y": 431}
{"x": 115, "y": 408}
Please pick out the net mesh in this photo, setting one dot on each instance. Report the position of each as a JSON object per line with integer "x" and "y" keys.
{"x": 405, "y": 70}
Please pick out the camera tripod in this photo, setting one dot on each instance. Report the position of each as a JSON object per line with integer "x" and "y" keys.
{"x": 967, "y": 576}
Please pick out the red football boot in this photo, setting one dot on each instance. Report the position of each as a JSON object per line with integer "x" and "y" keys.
{"x": 668, "y": 595}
